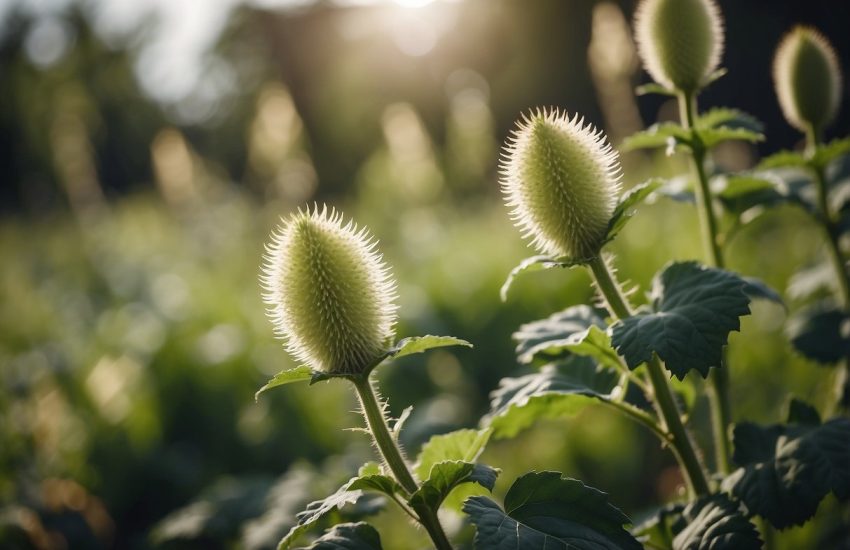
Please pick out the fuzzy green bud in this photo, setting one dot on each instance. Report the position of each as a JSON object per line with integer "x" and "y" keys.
{"x": 328, "y": 291}
{"x": 679, "y": 41}
{"x": 807, "y": 79}
{"x": 561, "y": 180}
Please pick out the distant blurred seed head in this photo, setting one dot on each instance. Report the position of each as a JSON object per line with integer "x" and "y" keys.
{"x": 561, "y": 180}
{"x": 807, "y": 78}
{"x": 330, "y": 295}
{"x": 679, "y": 41}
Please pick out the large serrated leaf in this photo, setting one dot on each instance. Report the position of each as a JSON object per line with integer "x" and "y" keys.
{"x": 820, "y": 332}
{"x": 625, "y": 209}
{"x": 786, "y": 470}
{"x": 299, "y": 374}
{"x": 445, "y": 476}
{"x": 714, "y": 523}
{"x": 668, "y": 135}
{"x": 464, "y": 445}
{"x": 559, "y": 389}
{"x": 348, "y": 536}
{"x": 577, "y": 329}
{"x": 694, "y": 310}
{"x": 545, "y": 510}
{"x": 419, "y": 344}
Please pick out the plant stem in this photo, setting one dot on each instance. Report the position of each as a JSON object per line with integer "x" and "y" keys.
{"x": 680, "y": 442}
{"x": 718, "y": 394}
{"x": 842, "y": 383}
{"x": 377, "y": 423}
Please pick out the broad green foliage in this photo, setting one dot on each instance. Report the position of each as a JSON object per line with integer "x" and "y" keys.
{"x": 710, "y": 523}
{"x": 299, "y": 374}
{"x": 546, "y": 510}
{"x": 818, "y": 332}
{"x": 535, "y": 263}
{"x": 672, "y": 136}
{"x": 626, "y": 206}
{"x": 349, "y": 536}
{"x": 463, "y": 445}
{"x": 419, "y": 344}
{"x": 786, "y": 470}
{"x": 715, "y": 523}
{"x": 559, "y": 389}
{"x": 723, "y": 117}
{"x": 445, "y": 476}
{"x": 349, "y": 493}
{"x": 577, "y": 329}
{"x": 694, "y": 308}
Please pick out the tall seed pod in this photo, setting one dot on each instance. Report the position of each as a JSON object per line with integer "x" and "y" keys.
{"x": 561, "y": 180}
{"x": 807, "y": 78}
{"x": 328, "y": 291}
{"x": 679, "y": 41}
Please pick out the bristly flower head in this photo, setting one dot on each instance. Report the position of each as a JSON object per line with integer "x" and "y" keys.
{"x": 807, "y": 78}
{"x": 329, "y": 293}
{"x": 679, "y": 41}
{"x": 561, "y": 179}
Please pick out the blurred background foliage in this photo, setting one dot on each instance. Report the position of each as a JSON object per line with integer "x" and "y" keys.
{"x": 148, "y": 148}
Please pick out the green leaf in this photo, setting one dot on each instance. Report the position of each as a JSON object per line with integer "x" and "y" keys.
{"x": 727, "y": 118}
{"x": 820, "y": 332}
{"x": 669, "y": 135}
{"x": 714, "y": 523}
{"x": 653, "y": 88}
{"x": 694, "y": 310}
{"x": 536, "y": 263}
{"x": 348, "y": 536}
{"x": 800, "y": 412}
{"x": 786, "y": 470}
{"x": 628, "y": 203}
{"x": 559, "y": 389}
{"x": 712, "y": 136}
{"x": 783, "y": 159}
{"x": 831, "y": 151}
{"x": 464, "y": 445}
{"x": 445, "y": 476}
{"x": 299, "y": 374}
{"x": 418, "y": 344}
{"x": 576, "y": 330}
{"x": 545, "y": 510}
{"x": 349, "y": 493}
{"x": 811, "y": 279}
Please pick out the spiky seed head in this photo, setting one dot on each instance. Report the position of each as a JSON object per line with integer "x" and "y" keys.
{"x": 561, "y": 179}
{"x": 328, "y": 291}
{"x": 807, "y": 78}
{"x": 679, "y": 41}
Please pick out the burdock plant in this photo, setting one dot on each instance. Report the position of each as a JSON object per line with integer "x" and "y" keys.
{"x": 331, "y": 297}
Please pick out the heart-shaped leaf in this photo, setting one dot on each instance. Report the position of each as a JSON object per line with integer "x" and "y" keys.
{"x": 545, "y": 510}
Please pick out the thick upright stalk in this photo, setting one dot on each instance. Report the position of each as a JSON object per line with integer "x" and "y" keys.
{"x": 392, "y": 456}
{"x": 680, "y": 442}
{"x": 718, "y": 394}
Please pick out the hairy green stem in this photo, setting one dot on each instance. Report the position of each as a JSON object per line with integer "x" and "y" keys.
{"x": 680, "y": 442}
{"x": 377, "y": 423}
{"x": 828, "y": 222}
{"x": 718, "y": 394}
